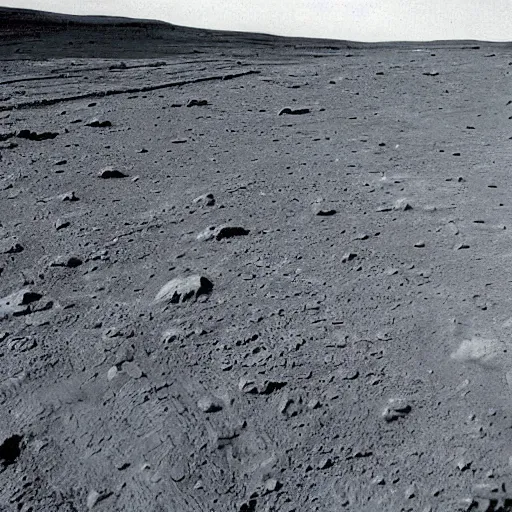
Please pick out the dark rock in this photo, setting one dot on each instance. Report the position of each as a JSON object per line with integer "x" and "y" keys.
{"x": 230, "y": 232}
{"x": 294, "y": 112}
{"x": 27, "y": 134}
{"x": 6, "y": 136}
{"x": 110, "y": 173}
{"x": 326, "y": 213}
{"x": 61, "y": 224}
{"x": 10, "y": 450}
{"x": 197, "y": 103}
{"x": 96, "y": 123}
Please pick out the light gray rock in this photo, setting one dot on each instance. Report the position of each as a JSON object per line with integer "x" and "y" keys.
{"x": 182, "y": 289}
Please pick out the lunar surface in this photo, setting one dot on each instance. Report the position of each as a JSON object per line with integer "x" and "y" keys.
{"x": 244, "y": 273}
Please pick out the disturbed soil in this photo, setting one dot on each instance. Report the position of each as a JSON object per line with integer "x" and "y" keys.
{"x": 244, "y": 273}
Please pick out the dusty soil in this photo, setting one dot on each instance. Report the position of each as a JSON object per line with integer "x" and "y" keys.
{"x": 254, "y": 277}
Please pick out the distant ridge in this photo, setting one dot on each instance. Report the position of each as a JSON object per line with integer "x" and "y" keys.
{"x": 65, "y": 35}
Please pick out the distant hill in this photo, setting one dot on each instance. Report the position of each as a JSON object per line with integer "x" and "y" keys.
{"x": 64, "y": 35}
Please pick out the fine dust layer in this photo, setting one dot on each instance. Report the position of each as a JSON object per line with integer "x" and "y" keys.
{"x": 283, "y": 288}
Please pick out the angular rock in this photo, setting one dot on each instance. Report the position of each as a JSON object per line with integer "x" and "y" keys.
{"x": 182, "y": 289}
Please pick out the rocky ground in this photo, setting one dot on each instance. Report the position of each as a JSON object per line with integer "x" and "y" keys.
{"x": 256, "y": 279}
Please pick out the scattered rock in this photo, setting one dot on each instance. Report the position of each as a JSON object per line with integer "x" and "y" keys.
{"x": 326, "y": 212}
{"x": 170, "y": 336}
{"x": 69, "y": 196}
{"x": 396, "y": 408}
{"x": 197, "y": 103}
{"x": 132, "y": 370}
{"x": 431, "y": 73}
{"x": 419, "y": 244}
{"x": 92, "y": 499}
{"x": 22, "y": 344}
{"x": 182, "y": 289}
{"x": 27, "y": 134}
{"x": 325, "y": 463}
{"x": 61, "y": 224}
{"x": 67, "y": 261}
{"x": 226, "y": 232}
{"x": 247, "y": 386}
{"x": 205, "y": 200}
{"x": 207, "y": 234}
{"x": 266, "y": 387}
{"x": 348, "y": 256}
{"x": 6, "y": 136}
{"x": 96, "y": 123}
{"x": 209, "y": 405}
{"x": 486, "y": 352}
{"x": 272, "y": 485}
{"x": 221, "y": 233}
{"x": 294, "y": 112}
{"x": 18, "y": 303}
{"x": 112, "y": 373}
{"x": 109, "y": 173}
{"x": 10, "y": 245}
{"x": 402, "y": 204}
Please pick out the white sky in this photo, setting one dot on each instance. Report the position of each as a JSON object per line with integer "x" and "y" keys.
{"x": 360, "y": 20}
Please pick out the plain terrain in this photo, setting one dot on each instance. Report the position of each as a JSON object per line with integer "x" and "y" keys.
{"x": 351, "y": 207}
